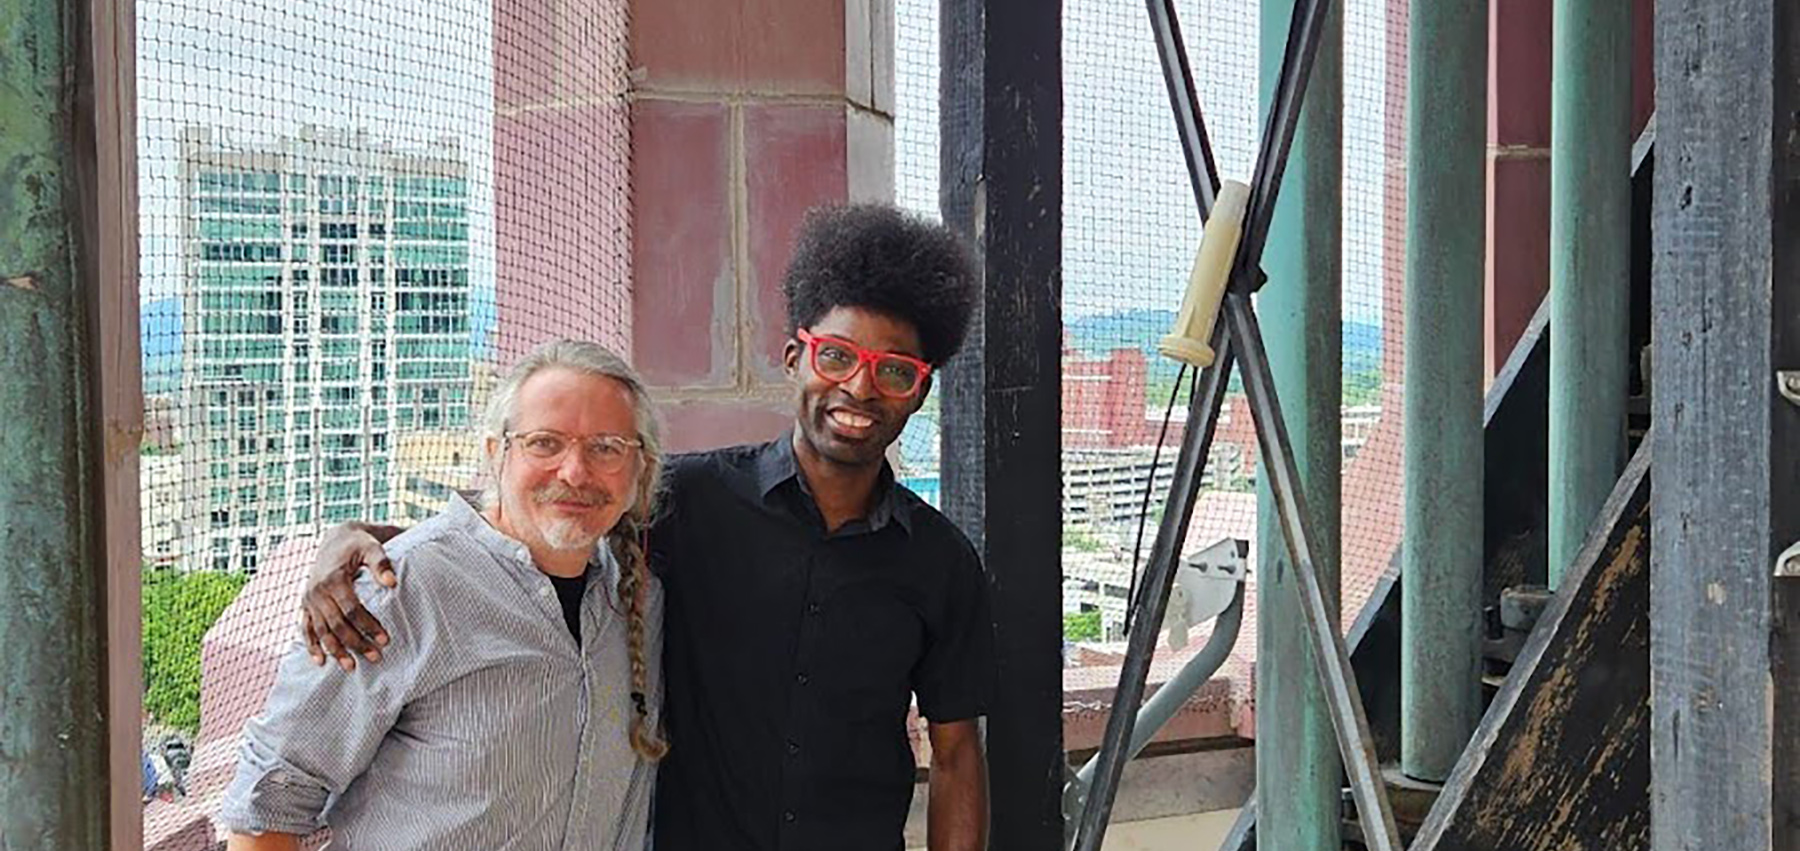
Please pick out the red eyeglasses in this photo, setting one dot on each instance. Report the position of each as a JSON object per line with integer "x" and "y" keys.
{"x": 838, "y": 360}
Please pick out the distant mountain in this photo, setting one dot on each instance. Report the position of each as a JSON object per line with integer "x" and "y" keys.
{"x": 159, "y": 333}
{"x": 1362, "y": 347}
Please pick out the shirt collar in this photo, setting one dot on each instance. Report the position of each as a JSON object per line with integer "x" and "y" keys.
{"x": 776, "y": 465}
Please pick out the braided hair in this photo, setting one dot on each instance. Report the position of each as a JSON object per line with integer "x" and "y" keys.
{"x": 628, "y": 536}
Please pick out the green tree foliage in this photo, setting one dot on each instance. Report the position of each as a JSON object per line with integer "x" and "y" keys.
{"x": 1081, "y": 626}
{"x": 178, "y": 610}
{"x": 1081, "y": 540}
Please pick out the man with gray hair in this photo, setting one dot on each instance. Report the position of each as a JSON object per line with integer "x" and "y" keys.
{"x": 519, "y": 706}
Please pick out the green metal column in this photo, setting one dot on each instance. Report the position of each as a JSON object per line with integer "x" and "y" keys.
{"x": 1297, "y": 766}
{"x": 53, "y": 746}
{"x": 1446, "y": 134}
{"x": 1590, "y": 243}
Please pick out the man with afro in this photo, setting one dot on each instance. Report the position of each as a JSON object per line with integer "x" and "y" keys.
{"x": 808, "y": 595}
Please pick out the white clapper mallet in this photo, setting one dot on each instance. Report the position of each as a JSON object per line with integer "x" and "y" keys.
{"x": 1188, "y": 343}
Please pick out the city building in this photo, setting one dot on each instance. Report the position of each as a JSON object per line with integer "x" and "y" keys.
{"x": 431, "y": 465}
{"x": 161, "y": 513}
{"x": 326, "y": 299}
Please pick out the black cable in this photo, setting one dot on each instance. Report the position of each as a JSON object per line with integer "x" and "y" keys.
{"x": 1137, "y": 549}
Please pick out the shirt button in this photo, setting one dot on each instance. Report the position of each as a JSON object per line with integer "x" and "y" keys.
{"x": 813, "y": 608}
{"x": 543, "y": 592}
{"x": 793, "y": 748}
{"x": 788, "y": 816}
{"x": 800, "y": 678}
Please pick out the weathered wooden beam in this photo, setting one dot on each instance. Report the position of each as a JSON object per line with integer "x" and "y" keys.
{"x": 1561, "y": 759}
{"x": 1725, "y": 318}
{"x": 1001, "y": 159}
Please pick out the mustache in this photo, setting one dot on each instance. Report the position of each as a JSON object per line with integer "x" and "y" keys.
{"x": 590, "y": 497}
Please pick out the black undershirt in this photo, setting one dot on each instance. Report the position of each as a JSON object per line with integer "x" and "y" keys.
{"x": 569, "y": 590}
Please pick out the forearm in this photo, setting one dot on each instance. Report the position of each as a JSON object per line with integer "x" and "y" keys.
{"x": 957, "y": 814}
{"x": 263, "y": 842}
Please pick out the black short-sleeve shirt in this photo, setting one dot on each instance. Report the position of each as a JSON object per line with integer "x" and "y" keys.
{"x": 791, "y": 655}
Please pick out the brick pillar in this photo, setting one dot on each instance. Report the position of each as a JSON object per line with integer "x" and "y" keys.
{"x": 744, "y": 114}
{"x": 561, "y": 163}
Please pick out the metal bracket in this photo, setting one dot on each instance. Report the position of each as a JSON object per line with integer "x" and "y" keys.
{"x": 1788, "y": 382}
{"x": 1787, "y": 565}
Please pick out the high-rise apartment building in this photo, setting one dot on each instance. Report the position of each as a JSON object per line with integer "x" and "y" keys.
{"x": 326, "y": 297}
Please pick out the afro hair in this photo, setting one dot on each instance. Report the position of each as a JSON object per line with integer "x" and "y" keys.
{"x": 876, "y": 257}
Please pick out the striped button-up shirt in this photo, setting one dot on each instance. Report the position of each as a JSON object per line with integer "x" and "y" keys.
{"x": 485, "y": 725}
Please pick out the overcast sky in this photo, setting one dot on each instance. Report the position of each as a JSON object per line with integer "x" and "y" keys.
{"x": 412, "y": 72}
{"x": 408, "y": 72}
{"x": 1129, "y": 225}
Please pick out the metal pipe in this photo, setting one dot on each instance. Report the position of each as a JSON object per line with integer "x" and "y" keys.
{"x": 1330, "y": 657}
{"x": 1167, "y": 700}
{"x": 1196, "y": 443}
{"x": 1301, "y": 801}
{"x": 1441, "y": 559}
{"x": 1305, "y": 32}
{"x": 1590, "y": 264}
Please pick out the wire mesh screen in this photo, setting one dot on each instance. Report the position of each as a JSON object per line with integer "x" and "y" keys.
{"x": 916, "y": 39}
{"x": 353, "y": 216}
{"x": 1129, "y": 234}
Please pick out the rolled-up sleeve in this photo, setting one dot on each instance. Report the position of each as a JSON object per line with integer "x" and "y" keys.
{"x": 320, "y": 729}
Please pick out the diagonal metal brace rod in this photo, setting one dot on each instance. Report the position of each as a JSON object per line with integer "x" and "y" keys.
{"x": 1305, "y": 32}
{"x": 1178, "y": 78}
{"x": 1331, "y": 659}
{"x": 1241, "y": 331}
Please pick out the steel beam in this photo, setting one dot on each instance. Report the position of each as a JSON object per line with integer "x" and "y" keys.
{"x": 1153, "y": 596}
{"x": 1330, "y": 659}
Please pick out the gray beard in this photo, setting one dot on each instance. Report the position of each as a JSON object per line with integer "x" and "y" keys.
{"x": 567, "y": 535}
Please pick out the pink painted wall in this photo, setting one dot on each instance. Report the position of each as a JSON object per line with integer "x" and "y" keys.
{"x": 562, "y": 140}
{"x": 741, "y": 121}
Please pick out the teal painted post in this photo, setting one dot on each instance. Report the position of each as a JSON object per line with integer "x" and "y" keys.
{"x": 53, "y": 742}
{"x": 1446, "y": 136}
{"x": 1590, "y": 243}
{"x": 1297, "y": 765}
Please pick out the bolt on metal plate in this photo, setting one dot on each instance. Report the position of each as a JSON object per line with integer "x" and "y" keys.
{"x": 1788, "y": 381}
{"x": 1787, "y": 565}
